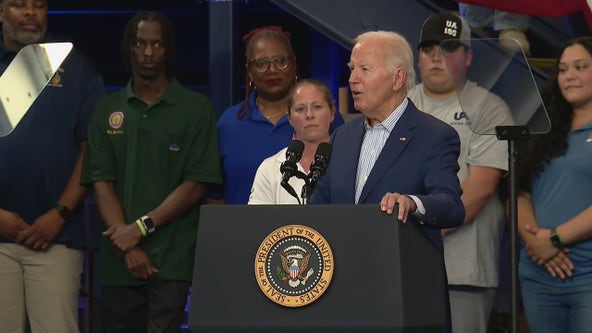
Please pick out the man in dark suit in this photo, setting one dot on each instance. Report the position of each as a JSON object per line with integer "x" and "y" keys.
{"x": 395, "y": 154}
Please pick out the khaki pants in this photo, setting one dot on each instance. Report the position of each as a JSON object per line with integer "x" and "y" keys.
{"x": 42, "y": 286}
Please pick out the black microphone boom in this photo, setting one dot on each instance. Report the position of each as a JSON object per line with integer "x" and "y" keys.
{"x": 289, "y": 168}
{"x": 293, "y": 155}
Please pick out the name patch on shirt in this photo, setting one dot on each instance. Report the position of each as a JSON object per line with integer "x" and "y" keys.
{"x": 174, "y": 147}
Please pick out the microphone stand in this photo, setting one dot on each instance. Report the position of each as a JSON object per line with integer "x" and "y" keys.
{"x": 305, "y": 188}
{"x": 290, "y": 189}
{"x": 512, "y": 134}
{"x": 308, "y": 187}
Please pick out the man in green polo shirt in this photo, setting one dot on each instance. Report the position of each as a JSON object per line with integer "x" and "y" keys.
{"x": 152, "y": 149}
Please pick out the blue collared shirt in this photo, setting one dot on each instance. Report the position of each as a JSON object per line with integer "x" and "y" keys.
{"x": 374, "y": 140}
{"x": 39, "y": 155}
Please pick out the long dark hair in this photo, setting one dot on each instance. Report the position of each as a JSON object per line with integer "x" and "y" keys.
{"x": 543, "y": 148}
{"x": 168, "y": 35}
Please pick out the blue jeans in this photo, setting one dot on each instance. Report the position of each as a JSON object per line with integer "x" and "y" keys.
{"x": 477, "y": 16}
{"x": 551, "y": 309}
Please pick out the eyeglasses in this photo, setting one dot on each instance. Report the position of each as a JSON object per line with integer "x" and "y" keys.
{"x": 261, "y": 65}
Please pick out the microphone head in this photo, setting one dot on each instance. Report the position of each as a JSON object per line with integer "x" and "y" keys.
{"x": 324, "y": 151}
{"x": 321, "y": 160}
{"x": 288, "y": 168}
{"x": 294, "y": 152}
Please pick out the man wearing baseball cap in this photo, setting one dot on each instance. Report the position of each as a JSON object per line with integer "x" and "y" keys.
{"x": 471, "y": 250}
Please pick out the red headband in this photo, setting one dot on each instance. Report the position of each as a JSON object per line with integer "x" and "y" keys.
{"x": 275, "y": 28}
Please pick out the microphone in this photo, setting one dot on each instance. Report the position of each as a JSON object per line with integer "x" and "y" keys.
{"x": 293, "y": 155}
{"x": 321, "y": 161}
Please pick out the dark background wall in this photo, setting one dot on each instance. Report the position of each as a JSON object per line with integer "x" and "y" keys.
{"x": 96, "y": 28}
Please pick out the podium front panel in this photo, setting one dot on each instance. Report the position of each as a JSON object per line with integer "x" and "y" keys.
{"x": 388, "y": 277}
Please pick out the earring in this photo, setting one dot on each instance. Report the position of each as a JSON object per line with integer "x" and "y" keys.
{"x": 252, "y": 86}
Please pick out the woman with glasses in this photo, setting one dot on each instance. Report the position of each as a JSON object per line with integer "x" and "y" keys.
{"x": 257, "y": 128}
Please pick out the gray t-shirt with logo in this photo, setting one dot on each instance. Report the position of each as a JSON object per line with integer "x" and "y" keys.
{"x": 471, "y": 252}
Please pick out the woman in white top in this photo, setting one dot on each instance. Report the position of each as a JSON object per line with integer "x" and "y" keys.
{"x": 310, "y": 112}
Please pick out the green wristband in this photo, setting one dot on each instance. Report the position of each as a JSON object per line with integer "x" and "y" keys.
{"x": 141, "y": 227}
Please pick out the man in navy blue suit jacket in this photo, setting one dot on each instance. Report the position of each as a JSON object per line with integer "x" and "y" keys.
{"x": 395, "y": 154}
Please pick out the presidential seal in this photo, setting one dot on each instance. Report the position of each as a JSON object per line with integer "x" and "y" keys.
{"x": 294, "y": 265}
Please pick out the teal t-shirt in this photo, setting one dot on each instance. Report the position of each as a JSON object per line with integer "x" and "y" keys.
{"x": 561, "y": 192}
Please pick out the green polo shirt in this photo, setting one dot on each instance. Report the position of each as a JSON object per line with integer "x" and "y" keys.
{"x": 147, "y": 151}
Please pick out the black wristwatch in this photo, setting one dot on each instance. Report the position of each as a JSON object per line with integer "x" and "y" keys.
{"x": 148, "y": 224}
{"x": 64, "y": 212}
{"x": 555, "y": 240}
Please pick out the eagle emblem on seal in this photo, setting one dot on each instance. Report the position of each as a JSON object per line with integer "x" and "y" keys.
{"x": 294, "y": 263}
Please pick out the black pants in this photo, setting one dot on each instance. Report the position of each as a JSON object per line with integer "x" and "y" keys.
{"x": 156, "y": 307}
